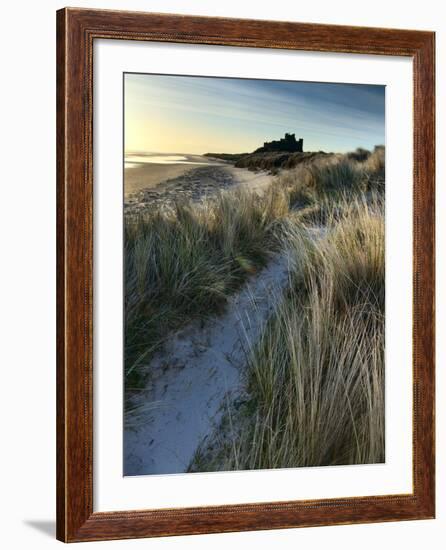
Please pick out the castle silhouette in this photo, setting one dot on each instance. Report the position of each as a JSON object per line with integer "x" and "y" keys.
{"x": 287, "y": 144}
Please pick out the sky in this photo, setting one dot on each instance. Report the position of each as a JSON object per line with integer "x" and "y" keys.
{"x": 189, "y": 114}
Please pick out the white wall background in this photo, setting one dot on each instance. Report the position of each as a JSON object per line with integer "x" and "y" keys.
{"x": 27, "y": 290}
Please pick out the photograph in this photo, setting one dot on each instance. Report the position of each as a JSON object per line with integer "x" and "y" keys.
{"x": 223, "y": 252}
{"x": 254, "y": 274}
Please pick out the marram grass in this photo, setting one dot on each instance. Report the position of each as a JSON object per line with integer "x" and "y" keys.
{"x": 184, "y": 263}
{"x": 314, "y": 392}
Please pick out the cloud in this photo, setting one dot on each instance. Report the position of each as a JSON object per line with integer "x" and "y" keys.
{"x": 332, "y": 115}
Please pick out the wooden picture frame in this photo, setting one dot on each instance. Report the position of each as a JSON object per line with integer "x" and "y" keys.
{"x": 76, "y": 31}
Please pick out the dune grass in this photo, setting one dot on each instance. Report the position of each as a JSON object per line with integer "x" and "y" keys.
{"x": 183, "y": 264}
{"x": 315, "y": 380}
{"x": 317, "y": 375}
{"x": 335, "y": 176}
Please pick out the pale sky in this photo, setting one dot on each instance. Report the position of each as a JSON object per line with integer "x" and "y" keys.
{"x": 182, "y": 114}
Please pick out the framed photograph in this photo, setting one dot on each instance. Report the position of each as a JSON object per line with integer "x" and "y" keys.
{"x": 245, "y": 275}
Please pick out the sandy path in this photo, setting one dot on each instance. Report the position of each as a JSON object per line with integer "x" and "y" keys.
{"x": 256, "y": 181}
{"x": 192, "y": 376}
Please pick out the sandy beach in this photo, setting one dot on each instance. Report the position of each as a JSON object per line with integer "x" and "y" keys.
{"x": 158, "y": 184}
{"x": 147, "y": 175}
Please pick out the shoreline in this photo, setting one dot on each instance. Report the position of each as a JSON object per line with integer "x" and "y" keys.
{"x": 160, "y": 185}
{"x": 149, "y": 175}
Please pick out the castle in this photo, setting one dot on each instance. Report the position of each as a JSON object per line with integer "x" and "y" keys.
{"x": 287, "y": 144}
